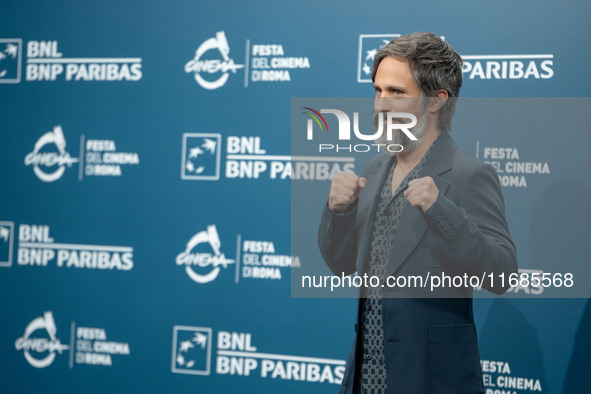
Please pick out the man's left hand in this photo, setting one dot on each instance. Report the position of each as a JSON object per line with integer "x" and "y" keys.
{"x": 421, "y": 193}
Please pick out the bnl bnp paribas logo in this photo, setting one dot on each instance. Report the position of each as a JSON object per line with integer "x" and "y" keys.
{"x": 6, "y": 241}
{"x": 201, "y": 156}
{"x": 191, "y": 350}
{"x": 10, "y": 60}
{"x": 369, "y": 45}
{"x": 498, "y": 67}
{"x": 45, "y": 62}
{"x": 237, "y": 355}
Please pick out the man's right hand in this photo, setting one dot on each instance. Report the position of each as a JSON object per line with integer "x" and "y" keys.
{"x": 344, "y": 190}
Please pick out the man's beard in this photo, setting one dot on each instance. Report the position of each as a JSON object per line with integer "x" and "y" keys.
{"x": 399, "y": 137}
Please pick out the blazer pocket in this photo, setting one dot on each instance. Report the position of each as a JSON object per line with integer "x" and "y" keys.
{"x": 454, "y": 361}
{"x": 428, "y": 254}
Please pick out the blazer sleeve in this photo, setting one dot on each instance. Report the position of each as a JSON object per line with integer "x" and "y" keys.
{"x": 474, "y": 234}
{"x": 337, "y": 240}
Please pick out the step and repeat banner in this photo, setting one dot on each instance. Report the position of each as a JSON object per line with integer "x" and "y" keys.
{"x": 146, "y": 189}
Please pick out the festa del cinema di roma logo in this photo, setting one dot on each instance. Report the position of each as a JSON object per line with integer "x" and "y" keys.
{"x": 88, "y": 345}
{"x": 39, "y": 350}
{"x": 208, "y": 66}
{"x": 48, "y": 164}
{"x": 203, "y": 253}
{"x": 50, "y": 159}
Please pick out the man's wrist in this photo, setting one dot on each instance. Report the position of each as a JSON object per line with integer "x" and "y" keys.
{"x": 350, "y": 208}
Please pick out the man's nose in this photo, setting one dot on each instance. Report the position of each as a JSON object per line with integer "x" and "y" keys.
{"x": 384, "y": 104}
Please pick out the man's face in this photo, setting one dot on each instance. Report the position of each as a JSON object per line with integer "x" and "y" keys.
{"x": 396, "y": 91}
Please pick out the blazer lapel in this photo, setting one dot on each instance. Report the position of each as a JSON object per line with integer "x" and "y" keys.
{"x": 412, "y": 225}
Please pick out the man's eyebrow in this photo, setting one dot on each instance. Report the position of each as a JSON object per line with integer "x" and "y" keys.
{"x": 390, "y": 87}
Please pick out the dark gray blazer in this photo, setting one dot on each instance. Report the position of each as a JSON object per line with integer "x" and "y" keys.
{"x": 430, "y": 343}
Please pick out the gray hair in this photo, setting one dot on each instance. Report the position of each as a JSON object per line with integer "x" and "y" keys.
{"x": 434, "y": 65}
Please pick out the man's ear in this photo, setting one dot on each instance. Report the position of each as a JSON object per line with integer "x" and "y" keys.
{"x": 435, "y": 103}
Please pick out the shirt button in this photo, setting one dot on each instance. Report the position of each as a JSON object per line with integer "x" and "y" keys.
{"x": 368, "y": 356}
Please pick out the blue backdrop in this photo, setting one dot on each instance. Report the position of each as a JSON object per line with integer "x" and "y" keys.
{"x": 145, "y": 248}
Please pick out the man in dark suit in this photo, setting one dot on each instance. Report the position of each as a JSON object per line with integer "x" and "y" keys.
{"x": 430, "y": 209}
